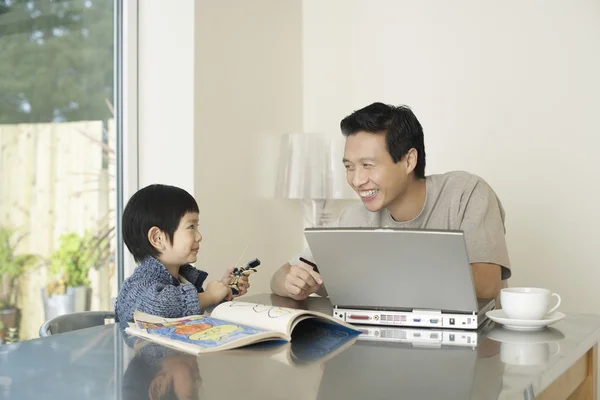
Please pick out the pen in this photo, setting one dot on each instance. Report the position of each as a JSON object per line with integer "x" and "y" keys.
{"x": 312, "y": 264}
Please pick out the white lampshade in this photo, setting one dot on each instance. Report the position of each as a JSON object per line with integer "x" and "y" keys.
{"x": 310, "y": 167}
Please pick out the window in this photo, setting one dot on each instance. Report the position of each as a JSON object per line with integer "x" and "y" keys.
{"x": 58, "y": 161}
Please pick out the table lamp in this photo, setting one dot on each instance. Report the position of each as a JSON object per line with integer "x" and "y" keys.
{"x": 311, "y": 169}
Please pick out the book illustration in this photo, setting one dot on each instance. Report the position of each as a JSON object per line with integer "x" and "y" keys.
{"x": 200, "y": 330}
{"x": 272, "y": 311}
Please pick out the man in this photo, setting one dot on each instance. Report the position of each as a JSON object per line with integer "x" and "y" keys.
{"x": 384, "y": 158}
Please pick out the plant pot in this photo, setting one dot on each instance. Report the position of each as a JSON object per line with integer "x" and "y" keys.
{"x": 11, "y": 318}
{"x": 76, "y": 299}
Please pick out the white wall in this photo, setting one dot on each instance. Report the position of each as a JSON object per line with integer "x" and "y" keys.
{"x": 159, "y": 118}
{"x": 249, "y": 93}
{"x": 507, "y": 90}
{"x": 219, "y": 83}
{"x": 166, "y": 96}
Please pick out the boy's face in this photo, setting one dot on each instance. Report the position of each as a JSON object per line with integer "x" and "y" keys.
{"x": 179, "y": 374}
{"x": 186, "y": 242}
{"x": 372, "y": 173}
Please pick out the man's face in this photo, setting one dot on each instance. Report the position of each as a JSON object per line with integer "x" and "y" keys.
{"x": 372, "y": 173}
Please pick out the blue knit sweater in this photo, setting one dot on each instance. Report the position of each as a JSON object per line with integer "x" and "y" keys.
{"x": 153, "y": 290}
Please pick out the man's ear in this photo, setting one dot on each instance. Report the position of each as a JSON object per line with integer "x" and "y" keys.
{"x": 410, "y": 160}
{"x": 156, "y": 237}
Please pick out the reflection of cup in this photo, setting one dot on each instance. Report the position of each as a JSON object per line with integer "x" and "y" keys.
{"x": 526, "y": 348}
{"x": 527, "y": 353}
{"x": 527, "y": 303}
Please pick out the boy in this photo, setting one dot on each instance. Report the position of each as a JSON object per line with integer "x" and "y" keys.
{"x": 157, "y": 372}
{"x": 160, "y": 229}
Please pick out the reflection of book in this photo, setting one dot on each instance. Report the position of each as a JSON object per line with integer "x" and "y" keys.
{"x": 230, "y": 325}
{"x": 314, "y": 342}
{"x": 276, "y": 370}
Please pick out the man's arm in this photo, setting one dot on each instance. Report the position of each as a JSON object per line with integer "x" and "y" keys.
{"x": 486, "y": 279}
{"x": 278, "y": 280}
{"x": 483, "y": 226}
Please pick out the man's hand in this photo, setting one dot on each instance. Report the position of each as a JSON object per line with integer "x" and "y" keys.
{"x": 302, "y": 281}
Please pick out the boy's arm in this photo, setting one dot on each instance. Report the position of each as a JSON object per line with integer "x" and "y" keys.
{"x": 195, "y": 276}
{"x": 169, "y": 301}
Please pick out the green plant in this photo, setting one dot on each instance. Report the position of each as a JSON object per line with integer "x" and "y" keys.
{"x": 73, "y": 259}
{"x": 12, "y": 265}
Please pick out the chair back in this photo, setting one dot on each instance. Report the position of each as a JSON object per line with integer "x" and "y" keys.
{"x": 74, "y": 321}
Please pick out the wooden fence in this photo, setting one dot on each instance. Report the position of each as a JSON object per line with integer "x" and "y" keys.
{"x": 57, "y": 178}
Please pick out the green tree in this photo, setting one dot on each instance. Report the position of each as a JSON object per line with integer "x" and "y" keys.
{"x": 56, "y": 60}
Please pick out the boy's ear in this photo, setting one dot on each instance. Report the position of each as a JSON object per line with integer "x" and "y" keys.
{"x": 156, "y": 237}
{"x": 159, "y": 385}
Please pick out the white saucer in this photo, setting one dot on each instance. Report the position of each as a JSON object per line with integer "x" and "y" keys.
{"x": 499, "y": 316}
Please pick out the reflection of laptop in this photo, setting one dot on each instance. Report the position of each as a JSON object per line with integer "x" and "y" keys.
{"x": 397, "y": 370}
{"x": 425, "y": 337}
{"x": 398, "y": 277}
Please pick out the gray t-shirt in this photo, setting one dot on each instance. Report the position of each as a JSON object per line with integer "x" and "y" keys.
{"x": 454, "y": 201}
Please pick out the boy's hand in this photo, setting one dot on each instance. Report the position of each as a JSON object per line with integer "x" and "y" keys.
{"x": 227, "y": 277}
{"x": 243, "y": 283}
{"x": 302, "y": 281}
{"x": 218, "y": 291}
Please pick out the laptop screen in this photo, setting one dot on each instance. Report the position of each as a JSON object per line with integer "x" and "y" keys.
{"x": 394, "y": 269}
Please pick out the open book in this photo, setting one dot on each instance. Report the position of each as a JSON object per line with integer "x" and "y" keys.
{"x": 232, "y": 324}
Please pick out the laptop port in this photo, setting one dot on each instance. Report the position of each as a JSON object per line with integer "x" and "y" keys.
{"x": 434, "y": 321}
{"x": 417, "y": 319}
{"x": 452, "y": 337}
{"x": 451, "y": 321}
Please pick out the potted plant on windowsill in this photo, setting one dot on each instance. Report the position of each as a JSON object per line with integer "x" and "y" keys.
{"x": 69, "y": 288}
{"x": 12, "y": 267}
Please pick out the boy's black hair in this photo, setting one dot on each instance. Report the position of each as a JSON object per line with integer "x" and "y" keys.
{"x": 162, "y": 206}
{"x": 402, "y": 130}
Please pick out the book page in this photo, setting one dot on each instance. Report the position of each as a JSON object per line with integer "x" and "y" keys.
{"x": 262, "y": 316}
{"x": 202, "y": 332}
{"x": 142, "y": 316}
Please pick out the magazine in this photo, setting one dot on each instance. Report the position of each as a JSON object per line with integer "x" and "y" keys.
{"x": 231, "y": 325}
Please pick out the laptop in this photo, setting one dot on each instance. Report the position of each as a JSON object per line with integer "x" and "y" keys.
{"x": 398, "y": 277}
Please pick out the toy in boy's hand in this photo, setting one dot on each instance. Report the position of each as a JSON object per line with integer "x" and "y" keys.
{"x": 239, "y": 272}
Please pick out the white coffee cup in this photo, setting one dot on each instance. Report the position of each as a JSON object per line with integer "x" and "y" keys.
{"x": 527, "y": 303}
